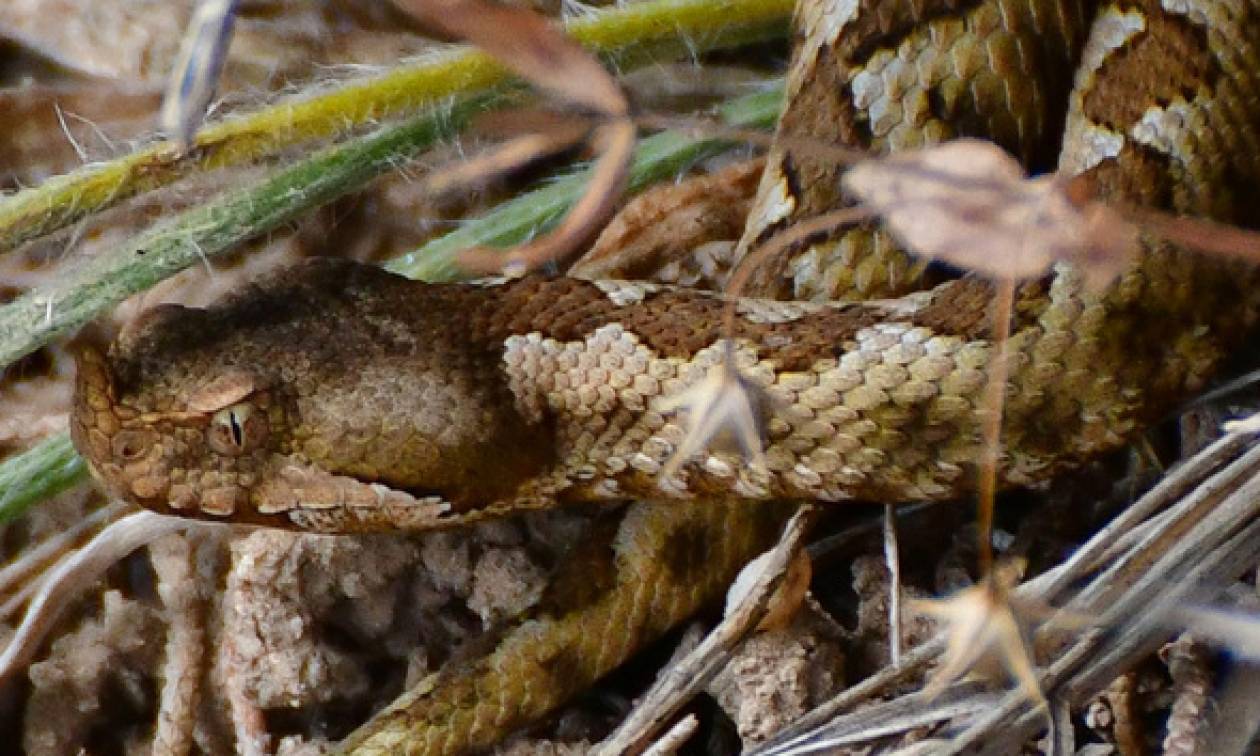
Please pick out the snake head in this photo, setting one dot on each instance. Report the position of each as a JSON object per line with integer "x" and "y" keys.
{"x": 328, "y": 396}
{"x": 198, "y": 451}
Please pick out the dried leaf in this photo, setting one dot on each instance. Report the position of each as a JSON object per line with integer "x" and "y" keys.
{"x": 481, "y": 168}
{"x": 967, "y": 202}
{"x": 124, "y": 41}
{"x": 662, "y": 230}
{"x": 533, "y": 48}
{"x": 530, "y": 46}
{"x": 607, "y": 178}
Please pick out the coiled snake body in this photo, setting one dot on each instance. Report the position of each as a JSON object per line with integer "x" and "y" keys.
{"x": 334, "y": 397}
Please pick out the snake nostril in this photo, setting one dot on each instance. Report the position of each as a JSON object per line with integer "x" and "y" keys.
{"x": 130, "y": 445}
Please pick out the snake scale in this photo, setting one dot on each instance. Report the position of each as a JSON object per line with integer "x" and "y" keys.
{"x": 334, "y": 397}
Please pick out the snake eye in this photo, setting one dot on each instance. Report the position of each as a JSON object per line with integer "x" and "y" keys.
{"x": 237, "y": 429}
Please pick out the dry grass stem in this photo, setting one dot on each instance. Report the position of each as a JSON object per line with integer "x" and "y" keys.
{"x": 475, "y": 170}
{"x": 711, "y": 129}
{"x": 1208, "y": 536}
{"x": 21, "y": 577}
{"x": 1197, "y": 554}
{"x": 803, "y": 733}
{"x": 892, "y": 558}
{"x": 1233, "y": 629}
{"x": 1178, "y": 483}
{"x": 884, "y": 719}
{"x": 674, "y": 738}
{"x": 607, "y": 179}
{"x": 403, "y": 91}
{"x": 195, "y": 75}
{"x": 992, "y": 402}
{"x": 964, "y": 202}
{"x": 789, "y": 238}
{"x": 1198, "y": 234}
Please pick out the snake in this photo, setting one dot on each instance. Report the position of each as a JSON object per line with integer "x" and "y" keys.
{"x": 334, "y": 397}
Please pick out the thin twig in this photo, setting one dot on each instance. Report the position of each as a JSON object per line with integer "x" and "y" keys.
{"x": 671, "y": 741}
{"x": 1201, "y": 235}
{"x": 657, "y": 158}
{"x": 993, "y": 401}
{"x": 76, "y": 572}
{"x": 892, "y": 558}
{"x": 1132, "y": 630}
{"x": 813, "y": 147}
{"x": 1176, "y": 484}
{"x": 887, "y": 718}
{"x": 535, "y": 50}
{"x": 40, "y": 556}
{"x": 797, "y": 233}
{"x": 1192, "y": 496}
{"x": 607, "y": 180}
{"x": 1062, "y": 735}
{"x": 804, "y": 729}
{"x": 1199, "y": 553}
{"x": 473, "y": 170}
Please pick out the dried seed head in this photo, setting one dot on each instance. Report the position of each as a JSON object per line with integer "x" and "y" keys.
{"x": 987, "y": 621}
{"x": 726, "y": 410}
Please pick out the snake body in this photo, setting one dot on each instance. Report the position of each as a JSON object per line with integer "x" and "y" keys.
{"x": 335, "y": 397}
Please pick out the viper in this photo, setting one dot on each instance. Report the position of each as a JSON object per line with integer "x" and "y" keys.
{"x": 334, "y": 397}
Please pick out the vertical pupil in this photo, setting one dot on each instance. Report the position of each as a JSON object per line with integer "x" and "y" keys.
{"x": 238, "y": 435}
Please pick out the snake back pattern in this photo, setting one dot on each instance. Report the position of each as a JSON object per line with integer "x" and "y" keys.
{"x": 334, "y": 397}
